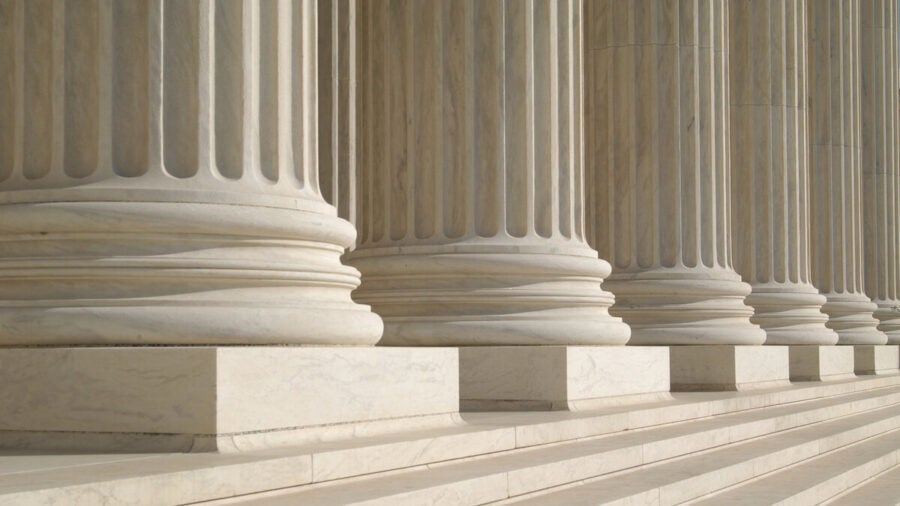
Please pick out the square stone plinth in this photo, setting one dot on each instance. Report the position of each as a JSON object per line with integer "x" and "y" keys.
{"x": 876, "y": 359}
{"x": 728, "y": 367}
{"x": 560, "y": 377}
{"x": 213, "y": 398}
{"x": 821, "y": 363}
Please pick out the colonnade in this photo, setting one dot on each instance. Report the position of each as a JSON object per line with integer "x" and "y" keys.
{"x": 178, "y": 173}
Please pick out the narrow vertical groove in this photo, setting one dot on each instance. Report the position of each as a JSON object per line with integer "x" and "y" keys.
{"x": 229, "y": 64}
{"x": 58, "y": 92}
{"x": 181, "y": 82}
{"x": 348, "y": 170}
{"x": 269, "y": 71}
{"x": 81, "y": 76}
{"x": 155, "y": 108}
{"x": 412, "y": 70}
{"x": 297, "y": 34}
{"x": 398, "y": 116}
{"x": 495, "y": 116}
{"x": 381, "y": 70}
{"x": 206, "y": 89}
{"x": 532, "y": 150}
{"x": 363, "y": 122}
{"x": 286, "y": 15}
{"x": 328, "y": 100}
{"x": 566, "y": 116}
{"x": 250, "y": 55}
{"x": 577, "y": 73}
{"x": 455, "y": 51}
{"x": 38, "y": 92}
{"x": 690, "y": 117}
{"x": 427, "y": 156}
{"x": 105, "y": 44}
{"x": 515, "y": 140}
{"x": 9, "y": 89}
{"x": 543, "y": 99}
{"x": 310, "y": 78}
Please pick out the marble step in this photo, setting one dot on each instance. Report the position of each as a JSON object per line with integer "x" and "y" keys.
{"x": 881, "y": 490}
{"x": 497, "y": 477}
{"x": 694, "y": 476}
{"x": 685, "y": 424}
{"x": 819, "y": 479}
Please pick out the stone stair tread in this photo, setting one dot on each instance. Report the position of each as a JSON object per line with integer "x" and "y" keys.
{"x": 534, "y": 428}
{"x": 818, "y": 479}
{"x": 882, "y": 490}
{"x": 666, "y": 482}
{"x": 528, "y": 470}
{"x": 414, "y": 444}
{"x": 256, "y": 471}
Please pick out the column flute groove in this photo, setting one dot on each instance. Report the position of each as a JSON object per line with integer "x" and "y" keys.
{"x": 485, "y": 138}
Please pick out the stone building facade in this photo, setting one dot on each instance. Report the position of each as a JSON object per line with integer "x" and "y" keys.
{"x": 548, "y": 204}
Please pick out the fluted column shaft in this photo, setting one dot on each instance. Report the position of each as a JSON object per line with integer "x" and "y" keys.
{"x": 880, "y": 161}
{"x": 471, "y": 199}
{"x": 770, "y": 172}
{"x": 836, "y": 247}
{"x": 159, "y": 177}
{"x": 658, "y": 178}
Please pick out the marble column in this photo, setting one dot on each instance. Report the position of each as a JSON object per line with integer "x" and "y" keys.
{"x": 836, "y": 246}
{"x": 471, "y": 201}
{"x": 770, "y": 172}
{"x": 880, "y": 161}
{"x": 159, "y": 178}
{"x": 658, "y": 181}
{"x": 159, "y": 185}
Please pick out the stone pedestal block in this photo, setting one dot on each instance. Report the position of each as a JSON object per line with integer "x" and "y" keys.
{"x": 727, "y": 367}
{"x": 217, "y": 398}
{"x": 560, "y": 377}
{"x": 821, "y": 363}
{"x": 875, "y": 359}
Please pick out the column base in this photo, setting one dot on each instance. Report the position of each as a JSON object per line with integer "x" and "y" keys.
{"x": 728, "y": 367}
{"x": 821, "y": 363}
{"x": 218, "y": 398}
{"x": 514, "y": 378}
{"x": 876, "y": 359}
